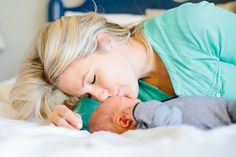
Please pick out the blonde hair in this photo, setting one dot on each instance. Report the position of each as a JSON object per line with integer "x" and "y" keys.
{"x": 57, "y": 45}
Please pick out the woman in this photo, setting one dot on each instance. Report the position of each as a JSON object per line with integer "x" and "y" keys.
{"x": 189, "y": 50}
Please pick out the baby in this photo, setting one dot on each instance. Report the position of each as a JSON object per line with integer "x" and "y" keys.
{"x": 120, "y": 114}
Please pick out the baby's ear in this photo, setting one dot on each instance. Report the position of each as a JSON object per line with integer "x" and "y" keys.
{"x": 123, "y": 120}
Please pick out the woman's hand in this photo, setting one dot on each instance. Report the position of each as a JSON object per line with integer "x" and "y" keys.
{"x": 64, "y": 117}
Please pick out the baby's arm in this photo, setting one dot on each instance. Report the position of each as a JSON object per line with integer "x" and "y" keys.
{"x": 152, "y": 114}
{"x": 231, "y": 109}
{"x": 205, "y": 112}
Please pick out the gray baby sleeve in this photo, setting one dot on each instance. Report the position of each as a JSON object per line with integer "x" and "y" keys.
{"x": 152, "y": 114}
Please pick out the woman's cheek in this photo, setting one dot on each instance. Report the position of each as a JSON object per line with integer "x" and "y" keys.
{"x": 133, "y": 92}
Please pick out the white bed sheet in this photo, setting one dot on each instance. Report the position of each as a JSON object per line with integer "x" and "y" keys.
{"x": 25, "y": 139}
{"x": 32, "y": 139}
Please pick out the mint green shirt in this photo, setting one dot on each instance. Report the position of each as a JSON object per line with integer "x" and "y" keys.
{"x": 196, "y": 42}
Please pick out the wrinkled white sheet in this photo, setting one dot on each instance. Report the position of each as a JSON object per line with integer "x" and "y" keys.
{"x": 31, "y": 139}
{"x": 25, "y": 139}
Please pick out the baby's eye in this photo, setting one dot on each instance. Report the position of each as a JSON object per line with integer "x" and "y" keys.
{"x": 94, "y": 79}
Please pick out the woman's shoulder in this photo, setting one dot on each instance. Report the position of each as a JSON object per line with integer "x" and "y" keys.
{"x": 196, "y": 11}
{"x": 192, "y": 8}
{"x": 185, "y": 19}
{"x": 187, "y": 11}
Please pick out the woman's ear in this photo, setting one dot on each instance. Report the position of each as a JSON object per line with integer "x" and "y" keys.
{"x": 105, "y": 41}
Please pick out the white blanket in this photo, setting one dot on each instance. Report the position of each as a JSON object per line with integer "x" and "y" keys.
{"x": 31, "y": 139}
{"x": 25, "y": 139}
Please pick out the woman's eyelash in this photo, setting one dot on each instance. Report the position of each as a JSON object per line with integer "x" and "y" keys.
{"x": 94, "y": 79}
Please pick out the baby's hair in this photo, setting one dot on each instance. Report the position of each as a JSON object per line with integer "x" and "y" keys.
{"x": 100, "y": 118}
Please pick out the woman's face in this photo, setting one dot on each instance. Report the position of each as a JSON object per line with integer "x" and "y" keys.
{"x": 100, "y": 75}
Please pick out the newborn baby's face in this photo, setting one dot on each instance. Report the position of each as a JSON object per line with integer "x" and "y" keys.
{"x": 112, "y": 108}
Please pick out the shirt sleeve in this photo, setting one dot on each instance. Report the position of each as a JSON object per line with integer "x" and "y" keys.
{"x": 152, "y": 114}
{"x": 205, "y": 112}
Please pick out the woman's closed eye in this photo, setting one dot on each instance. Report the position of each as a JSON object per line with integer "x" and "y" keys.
{"x": 94, "y": 79}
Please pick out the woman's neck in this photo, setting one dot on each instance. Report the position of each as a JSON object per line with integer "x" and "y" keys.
{"x": 150, "y": 69}
{"x": 159, "y": 76}
{"x": 138, "y": 57}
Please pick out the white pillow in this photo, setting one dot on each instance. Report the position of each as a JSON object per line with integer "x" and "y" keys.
{"x": 5, "y": 109}
{"x": 5, "y": 88}
{"x": 122, "y": 19}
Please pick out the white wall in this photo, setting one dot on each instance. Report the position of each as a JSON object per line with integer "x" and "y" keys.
{"x": 19, "y": 22}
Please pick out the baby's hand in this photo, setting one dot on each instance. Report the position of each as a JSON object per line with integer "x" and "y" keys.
{"x": 64, "y": 117}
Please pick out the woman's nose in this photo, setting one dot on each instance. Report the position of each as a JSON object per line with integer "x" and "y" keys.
{"x": 100, "y": 94}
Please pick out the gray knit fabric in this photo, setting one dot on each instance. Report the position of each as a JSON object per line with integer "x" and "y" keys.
{"x": 202, "y": 112}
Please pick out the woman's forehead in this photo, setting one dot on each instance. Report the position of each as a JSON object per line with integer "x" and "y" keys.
{"x": 80, "y": 66}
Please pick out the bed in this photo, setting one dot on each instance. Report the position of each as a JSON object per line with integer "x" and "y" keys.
{"x": 35, "y": 138}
